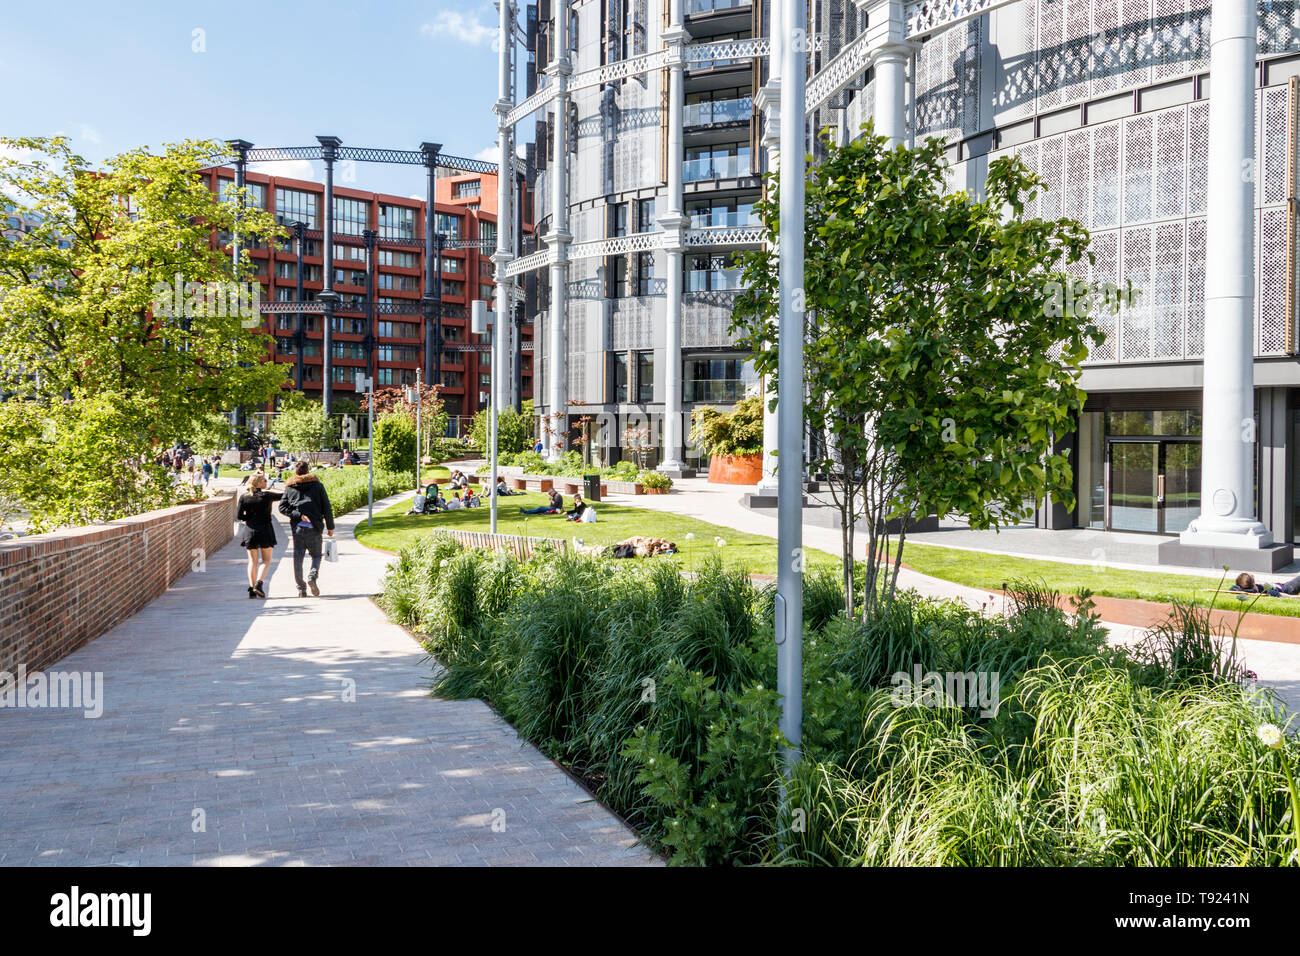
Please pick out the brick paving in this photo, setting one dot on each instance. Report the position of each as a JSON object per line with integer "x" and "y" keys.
{"x": 236, "y": 713}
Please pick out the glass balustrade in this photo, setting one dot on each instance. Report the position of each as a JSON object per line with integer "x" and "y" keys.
{"x": 711, "y": 6}
{"x": 717, "y": 166}
{"x": 725, "y": 219}
{"x": 713, "y": 280}
{"x": 719, "y": 111}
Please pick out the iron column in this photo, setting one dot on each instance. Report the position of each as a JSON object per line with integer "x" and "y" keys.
{"x": 329, "y": 151}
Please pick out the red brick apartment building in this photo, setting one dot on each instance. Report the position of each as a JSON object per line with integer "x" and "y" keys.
{"x": 465, "y": 208}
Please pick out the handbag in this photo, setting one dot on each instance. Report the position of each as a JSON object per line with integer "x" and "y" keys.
{"x": 331, "y": 549}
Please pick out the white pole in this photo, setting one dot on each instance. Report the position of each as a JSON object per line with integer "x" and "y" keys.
{"x": 673, "y": 223}
{"x": 789, "y": 586}
{"x": 370, "y": 506}
{"x": 559, "y": 237}
{"x": 493, "y": 397}
{"x": 771, "y": 100}
{"x": 1227, "y": 516}
{"x": 505, "y": 180}
{"x": 419, "y": 405}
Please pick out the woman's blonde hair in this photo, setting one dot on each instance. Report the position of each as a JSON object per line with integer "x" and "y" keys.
{"x": 258, "y": 480}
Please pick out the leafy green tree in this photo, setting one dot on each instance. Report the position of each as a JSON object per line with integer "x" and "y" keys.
{"x": 938, "y": 372}
{"x": 738, "y": 432}
{"x": 210, "y": 434}
{"x": 302, "y": 427}
{"x": 116, "y": 301}
{"x": 516, "y": 429}
{"x": 395, "y": 443}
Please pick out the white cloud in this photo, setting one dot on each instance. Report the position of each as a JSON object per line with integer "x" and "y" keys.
{"x": 290, "y": 168}
{"x": 90, "y": 134}
{"x": 458, "y": 26}
{"x": 488, "y": 154}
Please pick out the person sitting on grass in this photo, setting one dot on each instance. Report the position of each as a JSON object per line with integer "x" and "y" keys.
{"x": 1246, "y": 583}
{"x": 576, "y": 512}
{"x": 503, "y": 489}
{"x": 458, "y": 480}
{"x": 471, "y": 499}
{"x": 553, "y": 507}
{"x": 455, "y": 504}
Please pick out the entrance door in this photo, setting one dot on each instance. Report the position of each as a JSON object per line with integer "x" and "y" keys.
{"x": 1154, "y": 486}
{"x": 1134, "y": 477}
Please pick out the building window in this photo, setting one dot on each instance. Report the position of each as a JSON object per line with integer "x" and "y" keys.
{"x": 620, "y": 377}
{"x": 448, "y": 225}
{"x": 453, "y": 287}
{"x": 454, "y": 266}
{"x": 355, "y": 253}
{"x": 396, "y": 222}
{"x": 296, "y": 205}
{"x": 720, "y": 379}
{"x": 399, "y": 353}
{"x": 487, "y": 231}
{"x": 403, "y": 260}
{"x": 645, "y": 377}
{"x": 389, "y": 280}
{"x": 351, "y": 216}
{"x": 465, "y": 190}
{"x": 254, "y": 196}
{"x": 399, "y": 330}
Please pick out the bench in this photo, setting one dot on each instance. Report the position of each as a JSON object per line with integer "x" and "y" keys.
{"x": 518, "y": 545}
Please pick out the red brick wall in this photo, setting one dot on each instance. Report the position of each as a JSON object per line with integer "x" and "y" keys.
{"x": 62, "y": 590}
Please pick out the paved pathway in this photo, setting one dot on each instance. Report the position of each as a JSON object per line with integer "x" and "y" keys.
{"x": 236, "y": 710}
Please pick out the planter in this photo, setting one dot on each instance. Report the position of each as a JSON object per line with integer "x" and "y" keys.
{"x": 736, "y": 469}
{"x": 655, "y": 491}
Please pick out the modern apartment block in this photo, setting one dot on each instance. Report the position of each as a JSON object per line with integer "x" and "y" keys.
{"x": 379, "y": 324}
{"x": 663, "y": 111}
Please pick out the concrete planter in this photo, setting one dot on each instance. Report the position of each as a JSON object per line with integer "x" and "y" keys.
{"x": 736, "y": 469}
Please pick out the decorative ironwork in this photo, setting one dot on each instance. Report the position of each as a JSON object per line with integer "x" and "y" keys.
{"x": 530, "y": 105}
{"x": 843, "y": 69}
{"x": 925, "y": 17}
{"x": 620, "y": 70}
{"x": 726, "y": 236}
{"x": 537, "y": 260}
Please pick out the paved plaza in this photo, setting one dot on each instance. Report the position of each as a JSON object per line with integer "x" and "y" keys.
{"x": 285, "y": 732}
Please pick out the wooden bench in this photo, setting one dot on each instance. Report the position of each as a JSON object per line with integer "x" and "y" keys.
{"x": 518, "y": 545}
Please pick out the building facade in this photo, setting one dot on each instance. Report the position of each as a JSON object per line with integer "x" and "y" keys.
{"x": 1108, "y": 101}
{"x": 380, "y": 326}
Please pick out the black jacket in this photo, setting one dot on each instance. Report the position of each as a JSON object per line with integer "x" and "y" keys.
{"x": 305, "y": 497}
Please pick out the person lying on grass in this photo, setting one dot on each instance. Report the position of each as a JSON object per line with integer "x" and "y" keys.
{"x": 637, "y": 546}
{"x": 1246, "y": 583}
{"x": 553, "y": 507}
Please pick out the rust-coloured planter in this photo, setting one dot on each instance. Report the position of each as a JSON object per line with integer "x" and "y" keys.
{"x": 652, "y": 491}
{"x": 736, "y": 469}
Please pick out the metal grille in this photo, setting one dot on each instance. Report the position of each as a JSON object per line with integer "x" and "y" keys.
{"x": 1171, "y": 163}
{"x": 1105, "y": 173}
{"x": 1138, "y": 157}
{"x": 1198, "y": 145}
{"x": 1135, "y": 338}
{"x": 1166, "y": 293}
{"x": 1195, "y": 288}
{"x": 1105, "y": 270}
{"x": 1270, "y": 293}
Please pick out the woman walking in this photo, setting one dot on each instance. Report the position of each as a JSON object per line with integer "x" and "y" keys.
{"x": 259, "y": 531}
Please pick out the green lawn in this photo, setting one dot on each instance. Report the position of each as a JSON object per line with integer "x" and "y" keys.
{"x": 394, "y": 530}
{"x": 982, "y": 569}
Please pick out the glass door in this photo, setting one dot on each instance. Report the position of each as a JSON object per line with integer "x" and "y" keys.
{"x": 1182, "y": 478}
{"x": 1134, "y": 486}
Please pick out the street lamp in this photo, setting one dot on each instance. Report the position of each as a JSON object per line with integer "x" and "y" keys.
{"x": 366, "y": 386}
{"x": 481, "y": 320}
{"x": 415, "y": 396}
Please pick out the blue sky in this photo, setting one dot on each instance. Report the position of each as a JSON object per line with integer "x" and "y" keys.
{"x": 113, "y": 76}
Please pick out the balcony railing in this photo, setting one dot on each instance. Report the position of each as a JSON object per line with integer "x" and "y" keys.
{"x": 712, "y": 6}
{"x": 711, "y": 112}
{"x": 718, "y": 390}
{"x": 715, "y": 167}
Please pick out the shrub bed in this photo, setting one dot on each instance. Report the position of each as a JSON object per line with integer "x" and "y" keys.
{"x": 658, "y": 690}
{"x": 348, "y": 486}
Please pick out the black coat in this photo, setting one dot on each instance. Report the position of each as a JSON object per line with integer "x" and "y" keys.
{"x": 255, "y": 513}
{"x": 305, "y": 497}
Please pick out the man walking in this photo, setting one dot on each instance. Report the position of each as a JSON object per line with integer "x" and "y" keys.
{"x": 307, "y": 505}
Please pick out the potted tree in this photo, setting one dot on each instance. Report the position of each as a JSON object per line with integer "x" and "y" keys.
{"x": 733, "y": 440}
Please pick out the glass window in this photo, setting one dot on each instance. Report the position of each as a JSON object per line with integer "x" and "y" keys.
{"x": 645, "y": 377}
{"x": 351, "y": 216}
{"x": 465, "y": 190}
{"x": 296, "y": 205}
{"x": 396, "y": 222}
{"x": 254, "y": 196}
{"x": 717, "y": 379}
{"x": 487, "y": 231}
{"x": 448, "y": 225}
{"x": 620, "y": 377}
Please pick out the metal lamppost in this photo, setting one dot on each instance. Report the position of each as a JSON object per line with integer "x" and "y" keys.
{"x": 299, "y": 331}
{"x": 366, "y": 386}
{"x": 790, "y": 331}
{"x": 416, "y": 397}
{"x": 483, "y": 322}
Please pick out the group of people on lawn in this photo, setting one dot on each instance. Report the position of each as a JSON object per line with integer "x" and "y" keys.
{"x": 462, "y": 496}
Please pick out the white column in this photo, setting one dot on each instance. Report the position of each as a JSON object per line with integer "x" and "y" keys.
{"x": 769, "y": 101}
{"x": 503, "y": 255}
{"x": 674, "y": 222}
{"x": 1227, "y": 516}
{"x": 557, "y": 381}
{"x": 890, "y": 51}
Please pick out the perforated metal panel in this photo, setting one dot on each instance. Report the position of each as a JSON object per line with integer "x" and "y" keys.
{"x": 1136, "y": 341}
{"x": 1167, "y": 291}
{"x": 1105, "y": 272}
{"x": 1198, "y": 144}
{"x": 1195, "y": 288}
{"x": 1271, "y": 289}
{"x": 1051, "y": 166}
{"x": 1138, "y": 157}
{"x": 1078, "y": 176}
{"x": 1170, "y": 163}
{"x": 1105, "y": 176}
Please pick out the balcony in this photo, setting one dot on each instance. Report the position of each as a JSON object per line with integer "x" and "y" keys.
{"x": 714, "y": 112}
{"x": 713, "y": 280}
{"x": 725, "y": 219}
{"x": 696, "y": 7}
{"x": 707, "y": 168}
